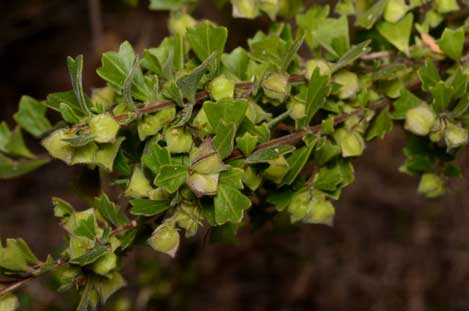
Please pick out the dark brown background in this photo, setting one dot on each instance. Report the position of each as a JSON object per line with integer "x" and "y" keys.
{"x": 389, "y": 249}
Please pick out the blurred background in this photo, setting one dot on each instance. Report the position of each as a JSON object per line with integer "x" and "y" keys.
{"x": 389, "y": 249}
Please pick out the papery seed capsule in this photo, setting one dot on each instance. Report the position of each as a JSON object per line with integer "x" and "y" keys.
{"x": 277, "y": 169}
{"x": 105, "y": 264}
{"x": 431, "y": 185}
{"x": 446, "y": 6}
{"x": 349, "y": 84}
{"x": 299, "y": 205}
{"x": 420, "y": 120}
{"x": 351, "y": 143}
{"x": 395, "y": 10}
{"x": 179, "y": 23}
{"x": 321, "y": 211}
{"x": 203, "y": 184}
{"x": 455, "y": 136}
{"x": 104, "y": 128}
{"x": 139, "y": 186}
{"x": 221, "y": 87}
{"x": 165, "y": 239}
{"x": 151, "y": 124}
{"x": 276, "y": 86}
{"x": 297, "y": 110}
{"x": 244, "y": 8}
{"x": 178, "y": 140}
{"x": 323, "y": 66}
{"x": 57, "y": 147}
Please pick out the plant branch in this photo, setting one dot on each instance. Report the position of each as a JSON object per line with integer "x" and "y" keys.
{"x": 19, "y": 281}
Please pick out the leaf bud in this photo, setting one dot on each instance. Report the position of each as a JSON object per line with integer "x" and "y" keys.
{"x": 455, "y": 136}
{"x": 323, "y": 66}
{"x": 178, "y": 140}
{"x": 179, "y": 23}
{"x": 420, "y": 120}
{"x": 348, "y": 84}
{"x": 165, "y": 239}
{"x": 351, "y": 143}
{"x": 221, "y": 87}
{"x": 57, "y": 147}
{"x": 431, "y": 186}
{"x": 104, "y": 128}
{"x": 276, "y": 86}
{"x": 105, "y": 264}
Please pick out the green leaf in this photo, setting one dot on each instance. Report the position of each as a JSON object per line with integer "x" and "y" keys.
{"x": 189, "y": 83}
{"x": 398, "y": 34}
{"x": 155, "y": 157}
{"x": 91, "y": 256}
{"x": 333, "y": 35}
{"x": 232, "y": 177}
{"x": 297, "y": 160}
{"x": 206, "y": 38}
{"x": 107, "y": 153}
{"x": 230, "y": 204}
{"x": 75, "y": 67}
{"x": 5, "y": 135}
{"x": 452, "y": 43}
{"x": 148, "y": 208}
{"x": 110, "y": 211}
{"x": 16, "y": 255}
{"x": 325, "y": 151}
{"x": 406, "y": 101}
{"x": 31, "y": 116}
{"x": 107, "y": 286}
{"x": 292, "y": 51}
{"x": 269, "y": 153}
{"x": 247, "y": 143}
{"x": 236, "y": 63}
{"x": 54, "y": 101}
{"x": 68, "y": 114}
{"x": 10, "y": 168}
{"x": 224, "y": 140}
{"x": 332, "y": 178}
{"x": 87, "y": 228}
{"x": 371, "y": 16}
{"x": 318, "y": 90}
{"x": 354, "y": 53}
{"x": 166, "y": 58}
{"x": 171, "y": 177}
{"x": 441, "y": 96}
{"x": 382, "y": 125}
{"x": 116, "y": 67}
{"x": 233, "y": 110}
{"x": 16, "y": 145}
{"x": 428, "y": 75}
